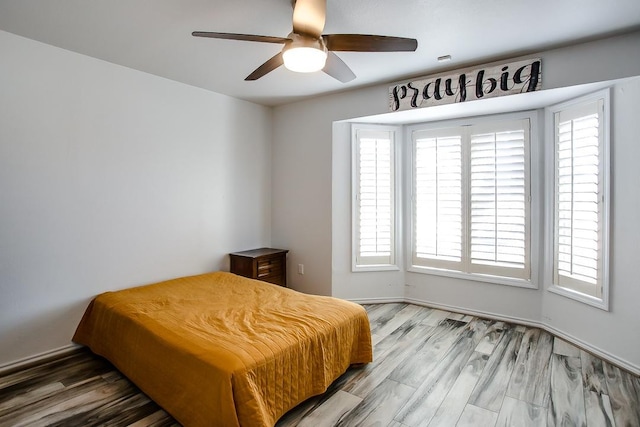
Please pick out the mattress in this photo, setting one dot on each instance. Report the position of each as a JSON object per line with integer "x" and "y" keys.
{"x": 222, "y": 350}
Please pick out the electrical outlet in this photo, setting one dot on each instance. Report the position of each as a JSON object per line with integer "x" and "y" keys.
{"x": 300, "y": 268}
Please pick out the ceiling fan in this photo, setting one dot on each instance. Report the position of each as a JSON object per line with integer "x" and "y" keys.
{"x": 306, "y": 49}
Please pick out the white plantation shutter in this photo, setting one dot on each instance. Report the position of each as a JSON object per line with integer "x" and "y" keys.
{"x": 578, "y": 198}
{"x": 499, "y": 206}
{"x": 374, "y": 198}
{"x": 438, "y": 221}
{"x": 471, "y": 199}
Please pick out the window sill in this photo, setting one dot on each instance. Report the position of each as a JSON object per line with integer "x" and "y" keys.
{"x": 580, "y": 297}
{"x": 496, "y": 280}
{"x": 369, "y": 268}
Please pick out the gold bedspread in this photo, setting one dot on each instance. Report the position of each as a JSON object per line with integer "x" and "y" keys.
{"x": 221, "y": 350}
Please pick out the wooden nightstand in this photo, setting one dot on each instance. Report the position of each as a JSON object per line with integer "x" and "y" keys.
{"x": 266, "y": 264}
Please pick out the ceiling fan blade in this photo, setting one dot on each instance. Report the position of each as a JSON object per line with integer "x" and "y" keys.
{"x": 336, "y": 68}
{"x": 369, "y": 43}
{"x": 267, "y": 67}
{"x": 244, "y": 37}
{"x": 309, "y": 17}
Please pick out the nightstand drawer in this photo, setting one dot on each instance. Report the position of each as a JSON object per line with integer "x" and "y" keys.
{"x": 266, "y": 264}
{"x": 269, "y": 272}
{"x": 269, "y": 267}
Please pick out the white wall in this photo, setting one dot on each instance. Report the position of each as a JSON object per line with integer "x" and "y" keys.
{"x": 312, "y": 210}
{"x": 111, "y": 178}
{"x": 302, "y": 182}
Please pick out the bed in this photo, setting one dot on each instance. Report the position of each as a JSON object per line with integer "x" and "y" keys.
{"x": 222, "y": 350}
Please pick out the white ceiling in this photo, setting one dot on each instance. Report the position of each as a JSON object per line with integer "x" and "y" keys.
{"x": 155, "y": 36}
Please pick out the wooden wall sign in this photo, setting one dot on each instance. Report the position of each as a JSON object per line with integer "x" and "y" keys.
{"x": 467, "y": 85}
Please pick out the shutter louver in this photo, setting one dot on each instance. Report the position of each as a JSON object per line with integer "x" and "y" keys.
{"x": 375, "y": 199}
{"x": 578, "y": 193}
{"x": 498, "y": 187}
{"x": 438, "y": 199}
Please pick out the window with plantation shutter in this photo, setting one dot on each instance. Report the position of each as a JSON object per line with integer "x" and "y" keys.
{"x": 437, "y": 204}
{"x": 499, "y": 200}
{"x": 471, "y": 199}
{"x": 374, "y": 198}
{"x": 580, "y": 199}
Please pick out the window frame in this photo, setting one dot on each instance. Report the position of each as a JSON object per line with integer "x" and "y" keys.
{"x": 603, "y": 95}
{"x": 533, "y": 156}
{"x": 396, "y": 250}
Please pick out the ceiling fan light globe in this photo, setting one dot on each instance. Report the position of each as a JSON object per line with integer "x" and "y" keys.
{"x": 304, "y": 59}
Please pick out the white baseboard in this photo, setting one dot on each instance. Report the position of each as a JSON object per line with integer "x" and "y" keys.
{"x": 598, "y": 352}
{"x": 377, "y": 300}
{"x": 37, "y": 358}
{"x": 478, "y": 313}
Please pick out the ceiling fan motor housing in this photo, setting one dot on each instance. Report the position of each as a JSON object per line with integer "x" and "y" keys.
{"x": 304, "y": 53}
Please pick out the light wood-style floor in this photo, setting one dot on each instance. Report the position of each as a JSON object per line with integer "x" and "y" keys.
{"x": 431, "y": 368}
